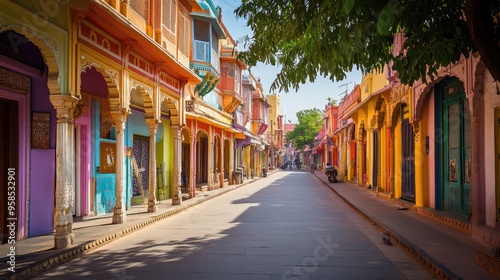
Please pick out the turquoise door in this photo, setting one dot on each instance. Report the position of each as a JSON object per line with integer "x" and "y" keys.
{"x": 456, "y": 150}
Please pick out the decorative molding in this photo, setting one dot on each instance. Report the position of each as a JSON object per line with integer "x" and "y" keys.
{"x": 13, "y": 81}
{"x": 134, "y": 84}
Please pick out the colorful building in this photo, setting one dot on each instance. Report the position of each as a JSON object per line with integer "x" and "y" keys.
{"x": 432, "y": 145}
{"x": 35, "y": 121}
{"x": 345, "y": 137}
{"x": 208, "y": 138}
{"x": 275, "y": 131}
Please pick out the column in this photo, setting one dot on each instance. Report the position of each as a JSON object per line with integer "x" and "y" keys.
{"x": 119, "y": 119}
{"x": 392, "y": 160}
{"x": 193, "y": 164}
{"x": 360, "y": 161}
{"x": 177, "y": 195}
{"x": 477, "y": 191}
{"x": 231, "y": 161}
{"x": 221, "y": 162}
{"x": 65, "y": 175}
{"x": 152, "y": 125}
{"x": 210, "y": 162}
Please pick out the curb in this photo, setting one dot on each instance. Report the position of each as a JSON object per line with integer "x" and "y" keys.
{"x": 437, "y": 269}
{"x": 75, "y": 252}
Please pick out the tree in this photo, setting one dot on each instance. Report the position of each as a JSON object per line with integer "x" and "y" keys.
{"x": 331, "y": 101}
{"x": 310, "y": 122}
{"x": 331, "y": 37}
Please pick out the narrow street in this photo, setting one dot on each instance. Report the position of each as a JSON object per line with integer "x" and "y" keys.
{"x": 286, "y": 226}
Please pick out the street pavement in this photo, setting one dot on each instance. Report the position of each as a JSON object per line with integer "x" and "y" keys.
{"x": 446, "y": 252}
{"x": 288, "y": 226}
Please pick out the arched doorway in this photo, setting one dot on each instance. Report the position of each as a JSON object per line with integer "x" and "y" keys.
{"x": 186, "y": 162}
{"x": 408, "y": 156}
{"x": 202, "y": 158}
{"x": 217, "y": 162}
{"x": 28, "y": 135}
{"x": 227, "y": 156}
{"x": 454, "y": 150}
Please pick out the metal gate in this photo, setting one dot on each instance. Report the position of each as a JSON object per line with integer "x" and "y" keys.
{"x": 408, "y": 166}
{"x": 141, "y": 155}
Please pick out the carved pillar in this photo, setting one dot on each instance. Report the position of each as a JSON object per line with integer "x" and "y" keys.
{"x": 152, "y": 125}
{"x": 210, "y": 162}
{"x": 360, "y": 161}
{"x": 231, "y": 161}
{"x": 65, "y": 175}
{"x": 193, "y": 164}
{"x": 221, "y": 163}
{"x": 477, "y": 190}
{"x": 392, "y": 160}
{"x": 344, "y": 156}
{"x": 177, "y": 196}
{"x": 119, "y": 119}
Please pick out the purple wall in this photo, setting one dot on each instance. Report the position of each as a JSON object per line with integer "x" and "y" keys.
{"x": 42, "y": 192}
{"x": 43, "y": 167}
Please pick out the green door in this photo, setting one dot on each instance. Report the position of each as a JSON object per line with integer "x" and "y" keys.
{"x": 456, "y": 147}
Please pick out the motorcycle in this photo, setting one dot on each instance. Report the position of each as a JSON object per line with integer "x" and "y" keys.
{"x": 332, "y": 174}
{"x": 312, "y": 167}
{"x": 298, "y": 165}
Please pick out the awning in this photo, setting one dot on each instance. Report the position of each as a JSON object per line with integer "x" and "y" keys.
{"x": 239, "y": 135}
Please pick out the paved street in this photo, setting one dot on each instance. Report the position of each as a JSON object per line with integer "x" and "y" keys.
{"x": 286, "y": 226}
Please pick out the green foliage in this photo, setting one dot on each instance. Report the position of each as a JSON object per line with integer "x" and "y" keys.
{"x": 331, "y": 37}
{"x": 310, "y": 122}
{"x": 331, "y": 101}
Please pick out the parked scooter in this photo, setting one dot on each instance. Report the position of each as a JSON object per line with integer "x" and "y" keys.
{"x": 332, "y": 174}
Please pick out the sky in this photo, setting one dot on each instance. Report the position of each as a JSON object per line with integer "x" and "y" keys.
{"x": 309, "y": 95}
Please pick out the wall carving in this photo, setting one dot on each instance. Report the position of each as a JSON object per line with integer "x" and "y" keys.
{"x": 13, "y": 81}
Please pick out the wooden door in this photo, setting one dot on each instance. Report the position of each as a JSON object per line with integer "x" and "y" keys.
{"x": 8, "y": 165}
{"x": 497, "y": 159}
{"x": 456, "y": 148}
{"x": 375, "y": 160}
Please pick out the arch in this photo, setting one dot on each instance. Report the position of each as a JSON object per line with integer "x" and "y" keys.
{"x": 361, "y": 130}
{"x": 421, "y": 90}
{"x": 146, "y": 93}
{"x": 396, "y": 113}
{"x": 49, "y": 50}
{"x": 110, "y": 76}
{"x": 173, "y": 108}
{"x": 186, "y": 135}
{"x": 478, "y": 82}
{"x": 381, "y": 113}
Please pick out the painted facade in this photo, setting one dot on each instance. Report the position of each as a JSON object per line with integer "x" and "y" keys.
{"x": 432, "y": 145}
{"x": 208, "y": 158}
{"x": 34, "y": 80}
{"x": 371, "y": 134}
{"x": 344, "y": 136}
{"x": 275, "y": 131}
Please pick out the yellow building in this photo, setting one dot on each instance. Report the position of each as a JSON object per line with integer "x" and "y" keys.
{"x": 371, "y": 133}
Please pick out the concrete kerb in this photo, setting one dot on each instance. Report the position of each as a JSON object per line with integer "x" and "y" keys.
{"x": 437, "y": 269}
{"x": 80, "y": 250}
